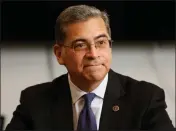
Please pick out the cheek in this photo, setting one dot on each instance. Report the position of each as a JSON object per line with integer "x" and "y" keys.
{"x": 108, "y": 57}
{"x": 74, "y": 62}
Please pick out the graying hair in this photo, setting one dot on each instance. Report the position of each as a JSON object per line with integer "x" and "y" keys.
{"x": 78, "y": 13}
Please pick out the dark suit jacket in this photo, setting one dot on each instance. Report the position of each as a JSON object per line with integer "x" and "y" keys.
{"x": 49, "y": 106}
{"x": 1, "y": 123}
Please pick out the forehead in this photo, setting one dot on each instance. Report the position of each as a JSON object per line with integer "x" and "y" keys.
{"x": 88, "y": 29}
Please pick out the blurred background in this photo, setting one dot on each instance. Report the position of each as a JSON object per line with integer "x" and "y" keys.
{"x": 144, "y": 47}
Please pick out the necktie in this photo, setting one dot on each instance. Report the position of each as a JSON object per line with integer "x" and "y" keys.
{"x": 87, "y": 121}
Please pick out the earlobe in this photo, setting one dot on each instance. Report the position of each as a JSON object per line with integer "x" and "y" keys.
{"x": 58, "y": 53}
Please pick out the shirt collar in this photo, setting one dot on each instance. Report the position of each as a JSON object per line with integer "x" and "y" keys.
{"x": 77, "y": 92}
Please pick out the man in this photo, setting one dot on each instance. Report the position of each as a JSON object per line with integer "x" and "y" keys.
{"x": 91, "y": 96}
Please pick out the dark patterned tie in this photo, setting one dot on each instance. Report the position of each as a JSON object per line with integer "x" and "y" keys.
{"x": 87, "y": 121}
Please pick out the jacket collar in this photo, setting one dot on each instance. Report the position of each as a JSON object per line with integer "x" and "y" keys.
{"x": 61, "y": 108}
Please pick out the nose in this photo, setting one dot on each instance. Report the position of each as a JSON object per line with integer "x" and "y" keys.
{"x": 92, "y": 52}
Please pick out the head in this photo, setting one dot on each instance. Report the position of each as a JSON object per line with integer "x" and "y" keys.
{"x": 82, "y": 33}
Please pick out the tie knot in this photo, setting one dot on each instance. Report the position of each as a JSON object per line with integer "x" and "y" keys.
{"x": 89, "y": 98}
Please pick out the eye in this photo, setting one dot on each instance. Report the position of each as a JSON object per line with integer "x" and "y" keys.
{"x": 101, "y": 42}
{"x": 80, "y": 46}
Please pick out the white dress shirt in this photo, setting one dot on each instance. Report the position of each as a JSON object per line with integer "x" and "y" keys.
{"x": 78, "y": 102}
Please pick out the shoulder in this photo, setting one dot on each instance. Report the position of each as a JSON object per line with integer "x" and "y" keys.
{"x": 42, "y": 89}
{"x": 136, "y": 87}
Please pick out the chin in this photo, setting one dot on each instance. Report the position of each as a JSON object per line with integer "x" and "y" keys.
{"x": 95, "y": 76}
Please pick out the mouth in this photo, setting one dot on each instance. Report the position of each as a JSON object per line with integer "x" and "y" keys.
{"x": 92, "y": 65}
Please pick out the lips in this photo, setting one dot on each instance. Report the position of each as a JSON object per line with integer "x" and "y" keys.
{"x": 91, "y": 65}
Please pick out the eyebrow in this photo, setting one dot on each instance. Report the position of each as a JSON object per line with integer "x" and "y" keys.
{"x": 84, "y": 40}
{"x": 79, "y": 39}
{"x": 99, "y": 36}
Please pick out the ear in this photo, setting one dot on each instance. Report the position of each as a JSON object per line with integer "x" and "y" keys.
{"x": 58, "y": 53}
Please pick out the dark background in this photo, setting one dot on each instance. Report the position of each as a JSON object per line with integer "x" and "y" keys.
{"x": 33, "y": 21}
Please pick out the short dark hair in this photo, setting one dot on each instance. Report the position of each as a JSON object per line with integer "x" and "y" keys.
{"x": 78, "y": 13}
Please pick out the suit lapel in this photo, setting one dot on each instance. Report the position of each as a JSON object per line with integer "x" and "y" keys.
{"x": 111, "y": 103}
{"x": 61, "y": 105}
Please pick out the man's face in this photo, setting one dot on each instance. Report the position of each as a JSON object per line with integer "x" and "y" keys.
{"x": 92, "y": 64}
